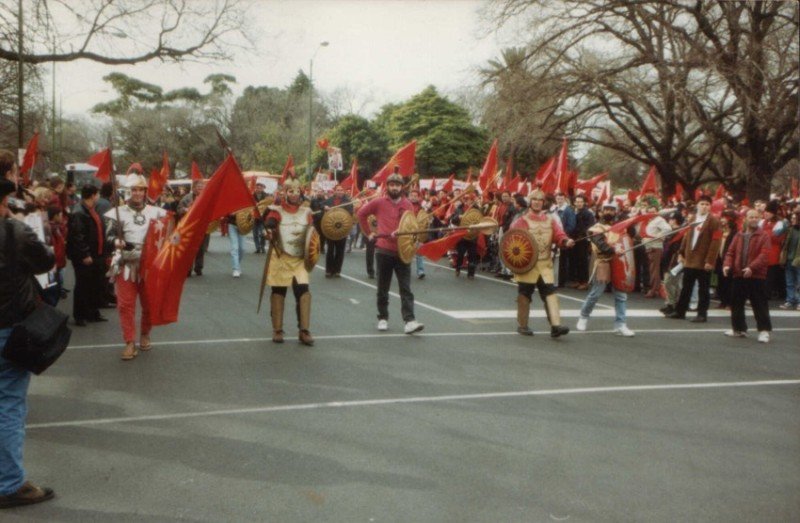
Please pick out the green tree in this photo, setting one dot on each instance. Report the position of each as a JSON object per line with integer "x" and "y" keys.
{"x": 447, "y": 140}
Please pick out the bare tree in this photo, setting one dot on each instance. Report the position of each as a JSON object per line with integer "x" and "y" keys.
{"x": 122, "y": 31}
{"x": 692, "y": 87}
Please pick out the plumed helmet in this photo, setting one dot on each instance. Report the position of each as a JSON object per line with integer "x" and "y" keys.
{"x": 291, "y": 185}
{"x": 135, "y": 180}
{"x": 536, "y": 194}
{"x": 394, "y": 178}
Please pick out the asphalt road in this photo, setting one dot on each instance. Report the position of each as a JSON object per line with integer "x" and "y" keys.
{"x": 466, "y": 422}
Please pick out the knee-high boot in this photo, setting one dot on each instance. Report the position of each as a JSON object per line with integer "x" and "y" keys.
{"x": 276, "y": 302}
{"x": 523, "y": 312}
{"x": 304, "y": 319}
{"x": 554, "y": 315}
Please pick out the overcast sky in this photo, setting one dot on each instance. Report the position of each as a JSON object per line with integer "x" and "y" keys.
{"x": 383, "y": 50}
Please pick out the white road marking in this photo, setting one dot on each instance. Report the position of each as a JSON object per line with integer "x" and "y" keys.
{"x": 574, "y": 313}
{"x": 413, "y": 400}
{"x": 375, "y": 335}
{"x": 505, "y": 282}
{"x": 354, "y": 301}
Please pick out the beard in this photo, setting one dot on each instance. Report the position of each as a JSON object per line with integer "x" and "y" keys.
{"x": 394, "y": 193}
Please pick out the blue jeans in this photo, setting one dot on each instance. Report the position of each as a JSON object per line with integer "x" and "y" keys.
{"x": 620, "y": 303}
{"x": 237, "y": 246}
{"x": 258, "y": 235}
{"x": 420, "y": 265}
{"x": 13, "y": 409}
{"x": 792, "y": 282}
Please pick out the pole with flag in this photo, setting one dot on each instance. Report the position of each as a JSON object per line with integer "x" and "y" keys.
{"x": 29, "y": 160}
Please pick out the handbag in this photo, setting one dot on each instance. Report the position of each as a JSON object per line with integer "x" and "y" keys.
{"x": 40, "y": 338}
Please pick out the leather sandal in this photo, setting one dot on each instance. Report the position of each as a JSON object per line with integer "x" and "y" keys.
{"x": 145, "y": 344}
{"x": 130, "y": 352}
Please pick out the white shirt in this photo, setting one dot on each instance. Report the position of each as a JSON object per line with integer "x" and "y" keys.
{"x": 698, "y": 223}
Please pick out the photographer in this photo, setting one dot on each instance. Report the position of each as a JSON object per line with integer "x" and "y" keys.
{"x": 18, "y": 297}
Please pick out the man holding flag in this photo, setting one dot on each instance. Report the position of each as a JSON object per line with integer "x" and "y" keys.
{"x": 127, "y": 237}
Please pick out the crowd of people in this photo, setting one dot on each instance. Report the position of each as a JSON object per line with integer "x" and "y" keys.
{"x": 679, "y": 250}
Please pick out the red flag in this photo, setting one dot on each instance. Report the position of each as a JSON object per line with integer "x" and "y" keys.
{"x": 29, "y": 160}
{"x": 434, "y": 250}
{"x": 196, "y": 174}
{"x": 720, "y": 192}
{"x": 403, "y": 158}
{"x": 544, "y": 171}
{"x": 562, "y": 170}
{"x": 524, "y": 189}
{"x": 603, "y": 195}
{"x": 288, "y": 170}
{"x": 154, "y": 186}
{"x": 698, "y": 193}
{"x": 550, "y": 180}
{"x": 795, "y": 188}
{"x": 448, "y": 185}
{"x": 621, "y": 227}
{"x": 225, "y": 193}
{"x": 632, "y": 195}
{"x": 157, "y": 231}
{"x": 323, "y": 143}
{"x": 587, "y": 186}
{"x": 251, "y": 183}
{"x": 489, "y": 170}
{"x": 351, "y": 182}
{"x": 469, "y": 176}
{"x": 513, "y": 184}
{"x": 650, "y": 184}
{"x": 102, "y": 160}
{"x": 678, "y": 192}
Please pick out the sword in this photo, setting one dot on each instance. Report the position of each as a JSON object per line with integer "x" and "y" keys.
{"x": 264, "y": 276}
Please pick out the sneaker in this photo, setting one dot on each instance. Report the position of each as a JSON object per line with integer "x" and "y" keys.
{"x": 787, "y": 306}
{"x": 237, "y": 274}
{"x": 413, "y": 326}
{"x": 763, "y": 337}
{"x": 797, "y": 308}
{"x": 421, "y": 276}
{"x": 383, "y": 325}
{"x": 624, "y": 331}
{"x": 734, "y": 334}
{"x": 582, "y": 323}
{"x": 28, "y": 494}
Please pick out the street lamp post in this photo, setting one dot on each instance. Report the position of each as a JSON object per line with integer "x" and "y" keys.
{"x": 311, "y": 107}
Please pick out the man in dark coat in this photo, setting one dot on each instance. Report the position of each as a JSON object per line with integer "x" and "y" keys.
{"x": 85, "y": 249}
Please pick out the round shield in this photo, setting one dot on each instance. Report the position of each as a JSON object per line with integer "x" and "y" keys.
{"x": 470, "y": 218}
{"x": 623, "y": 264}
{"x": 518, "y": 250}
{"x": 312, "y": 246}
{"x": 423, "y": 222}
{"x": 407, "y": 243}
{"x": 336, "y": 224}
{"x": 212, "y": 227}
{"x": 263, "y": 204}
{"x": 245, "y": 220}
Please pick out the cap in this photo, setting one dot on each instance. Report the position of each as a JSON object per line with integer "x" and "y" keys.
{"x": 610, "y": 205}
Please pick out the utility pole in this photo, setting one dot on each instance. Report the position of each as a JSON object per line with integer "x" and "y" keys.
{"x": 20, "y": 81}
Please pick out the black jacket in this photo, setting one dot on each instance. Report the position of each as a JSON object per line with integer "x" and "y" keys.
{"x": 82, "y": 236}
{"x": 18, "y": 291}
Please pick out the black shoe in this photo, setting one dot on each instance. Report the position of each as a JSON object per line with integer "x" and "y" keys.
{"x": 699, "y": 319}
{"x": 199, "y": 272}
{"x": 676, "y": 316}
{"x": 28, "y": 494}
{"x": 371, "y": 276}
{"x": 97, "y": 319}
{"x": 421, "y": 276}
{"x": 470, "y": 276}
{"x": 558, "y": 330}
{"x": 669, "y": 309}
{"x": 525, "y": 331}
{"x": 80, "y": 323}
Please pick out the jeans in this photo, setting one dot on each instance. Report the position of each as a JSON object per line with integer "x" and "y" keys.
{"x": 620, "y": 303}
{"x": 258, "y": 235}
{"x": 754, "y": 290}
{"x": 792, "y": 282}
{"x": 388, "y": 264}
{"x": 237, "y": 246}
{"x": 13, "y": 409}
{"x": 420, "y": 265}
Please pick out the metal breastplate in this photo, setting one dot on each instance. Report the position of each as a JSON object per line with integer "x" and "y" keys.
{"x": 543, "y": 236}
{"x": 292, "y": 230}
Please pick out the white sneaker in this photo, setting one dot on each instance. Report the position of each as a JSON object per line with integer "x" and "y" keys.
{"x": 237, "y": 274}
{"x": 624, "y": 331}
{"x": 582, "y": 323}
{"x": 413, "y": 326}
{"x": 383, "y": 325}
{"x": 735, "y": 334}
{"x": 763, "y": 337}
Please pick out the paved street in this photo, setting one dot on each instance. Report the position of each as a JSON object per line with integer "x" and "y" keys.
{"x": 466, "y": 422}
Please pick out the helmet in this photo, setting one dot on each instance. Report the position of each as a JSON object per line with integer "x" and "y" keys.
{"x": 536, "y": 194}
{"x": 135, "y": 180}
{"x": 394, "y": 178}
{"x": 611, "y": 204}
{"x": 291, "y": 185}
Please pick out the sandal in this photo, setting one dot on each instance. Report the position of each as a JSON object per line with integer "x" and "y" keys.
{"x": 130, "y": 352}
{"x": 145, "y": 344}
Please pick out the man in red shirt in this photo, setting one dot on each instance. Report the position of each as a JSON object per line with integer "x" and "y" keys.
{"x": 388, "y": 210}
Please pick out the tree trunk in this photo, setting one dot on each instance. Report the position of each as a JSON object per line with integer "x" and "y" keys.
{"x": 758, "y": 181}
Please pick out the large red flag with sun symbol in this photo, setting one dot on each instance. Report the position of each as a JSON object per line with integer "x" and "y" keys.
{"x": 225, "y": 193}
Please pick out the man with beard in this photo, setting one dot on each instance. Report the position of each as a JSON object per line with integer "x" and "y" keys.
{"x": 747, "y": 260}
{"x": 287, "y": 224}
{"x": 334, "y": 259}
{"x": 388, "y": 210}
{"x": 603, "y": 241}
{"x": 546, "y": 231}
{"x": 134, "y": 221}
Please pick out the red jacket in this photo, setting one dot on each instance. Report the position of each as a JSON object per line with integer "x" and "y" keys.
{"x": 756, "y": 258}
{"x": 776, "y": 240}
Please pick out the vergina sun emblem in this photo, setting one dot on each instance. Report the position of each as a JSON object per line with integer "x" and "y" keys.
{"x": 175, "y": 239}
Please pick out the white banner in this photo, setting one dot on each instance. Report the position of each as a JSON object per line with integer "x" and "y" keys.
{"x": 335, "y": 159}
